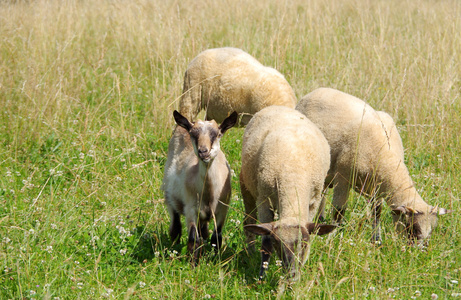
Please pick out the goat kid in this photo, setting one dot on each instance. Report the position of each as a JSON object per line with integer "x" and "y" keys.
{"x": 197, "y": 181}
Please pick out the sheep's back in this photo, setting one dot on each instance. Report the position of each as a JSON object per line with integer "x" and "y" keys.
{"x": 280, "y": 144}
{"x": 231, "y": 79}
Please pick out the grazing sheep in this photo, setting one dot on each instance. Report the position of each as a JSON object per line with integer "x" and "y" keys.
{"x": 224, "y": 80}
{"x": 367, "y": 154}
{"x": 285, "y": 159}
{"x": 197, "y": 180}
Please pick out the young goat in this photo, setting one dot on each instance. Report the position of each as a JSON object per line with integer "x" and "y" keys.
{"x": 197, "y": 180}
{"x": 367, "y": 155}
{"x": 285, "y": 159}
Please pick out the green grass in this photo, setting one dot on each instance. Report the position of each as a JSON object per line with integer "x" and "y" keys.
{"x": 87, "y": 90}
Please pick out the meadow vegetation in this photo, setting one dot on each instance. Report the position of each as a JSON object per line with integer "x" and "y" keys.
{"x": 87, "y": 90}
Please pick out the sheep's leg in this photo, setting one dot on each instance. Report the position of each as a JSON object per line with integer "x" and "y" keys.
{"x": 377, "y": 205}
{"x": 266, "y": 251}
{"x": 250, "y": 215}
{"x": 189, "y": 105}
{"x": 321, "y": 211}
{"x": 340, "y": 196}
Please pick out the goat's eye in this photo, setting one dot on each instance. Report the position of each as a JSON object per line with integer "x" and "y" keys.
{"x": 213, "y": 136}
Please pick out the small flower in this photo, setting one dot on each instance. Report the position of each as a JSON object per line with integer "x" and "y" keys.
{"x": 32, "y": 292}
{"x": 49, "y": 249}
{"x": 372, "y": 288}
{"x": 278, "y": 263}
{"x": 187, "y": 281}
{"x": 434, "y": 297}
{"x": 207, "y": 296}
{"x": 77, "y": 262}
{"x": 123, "y": 251}
{"x": 6, "y": 240}
{"x": 265, "y": 264}
{"x": 157, "y": 253}
{"x": 103, "y": 203}
{"x": 142, "y": 284}
{"x": 454, "y": 281}
{"x": 390, "y": 290}
{"x": 417, "y": 293}
{"x": 54, "y": 226}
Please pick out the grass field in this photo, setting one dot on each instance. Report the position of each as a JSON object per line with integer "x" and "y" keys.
{"x": 87, "y": 90}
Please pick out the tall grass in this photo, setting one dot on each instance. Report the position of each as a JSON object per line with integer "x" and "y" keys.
{"x": 87, "y": 89}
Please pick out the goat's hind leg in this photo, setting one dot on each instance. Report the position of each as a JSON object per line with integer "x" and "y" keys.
{"x": 175, "y": 225}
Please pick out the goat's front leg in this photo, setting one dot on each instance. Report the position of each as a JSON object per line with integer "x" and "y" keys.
{"x": 219, "y": 217}
{"x": 194, "y": 244}
{"x": 194, "y": 240}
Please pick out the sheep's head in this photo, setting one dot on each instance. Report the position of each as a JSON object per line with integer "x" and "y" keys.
{"x": 290, "y": 241}
{"x": 417, "y": 225}
{"x": 205, "y": 135}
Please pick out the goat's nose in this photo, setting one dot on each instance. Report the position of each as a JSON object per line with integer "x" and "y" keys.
{"x": 202, "y": 150}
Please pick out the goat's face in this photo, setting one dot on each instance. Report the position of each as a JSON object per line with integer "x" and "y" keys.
{"x": 290, "y": 241}
{"x": 205, "y": 135}
{"x": 416, "y": 225}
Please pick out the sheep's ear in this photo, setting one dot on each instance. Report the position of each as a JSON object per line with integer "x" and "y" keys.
{"x": 260, "y": 229}
{"x": 228, "y": 122}
{"x": 440, "y": 211}
{"x": 182, "y": 121}
{"x": 320, "y": 229}
{"x": 402, "y": 210}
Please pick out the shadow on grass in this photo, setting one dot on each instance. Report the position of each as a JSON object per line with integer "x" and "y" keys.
{"x": 233, "y": 254}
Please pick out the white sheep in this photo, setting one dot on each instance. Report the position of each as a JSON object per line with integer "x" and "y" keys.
{"x": 285, "y": 159}
{"x": 197, "y": 180}
{"x": 367, "y": 154}
{"x": 224, "y": 80}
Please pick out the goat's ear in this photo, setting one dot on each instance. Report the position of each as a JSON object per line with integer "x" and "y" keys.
{"x": 260, "y": 229}
{"x": 228, "y": 122}
{"x": 182, "y": 121}
{"x": 320, "y": 229}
